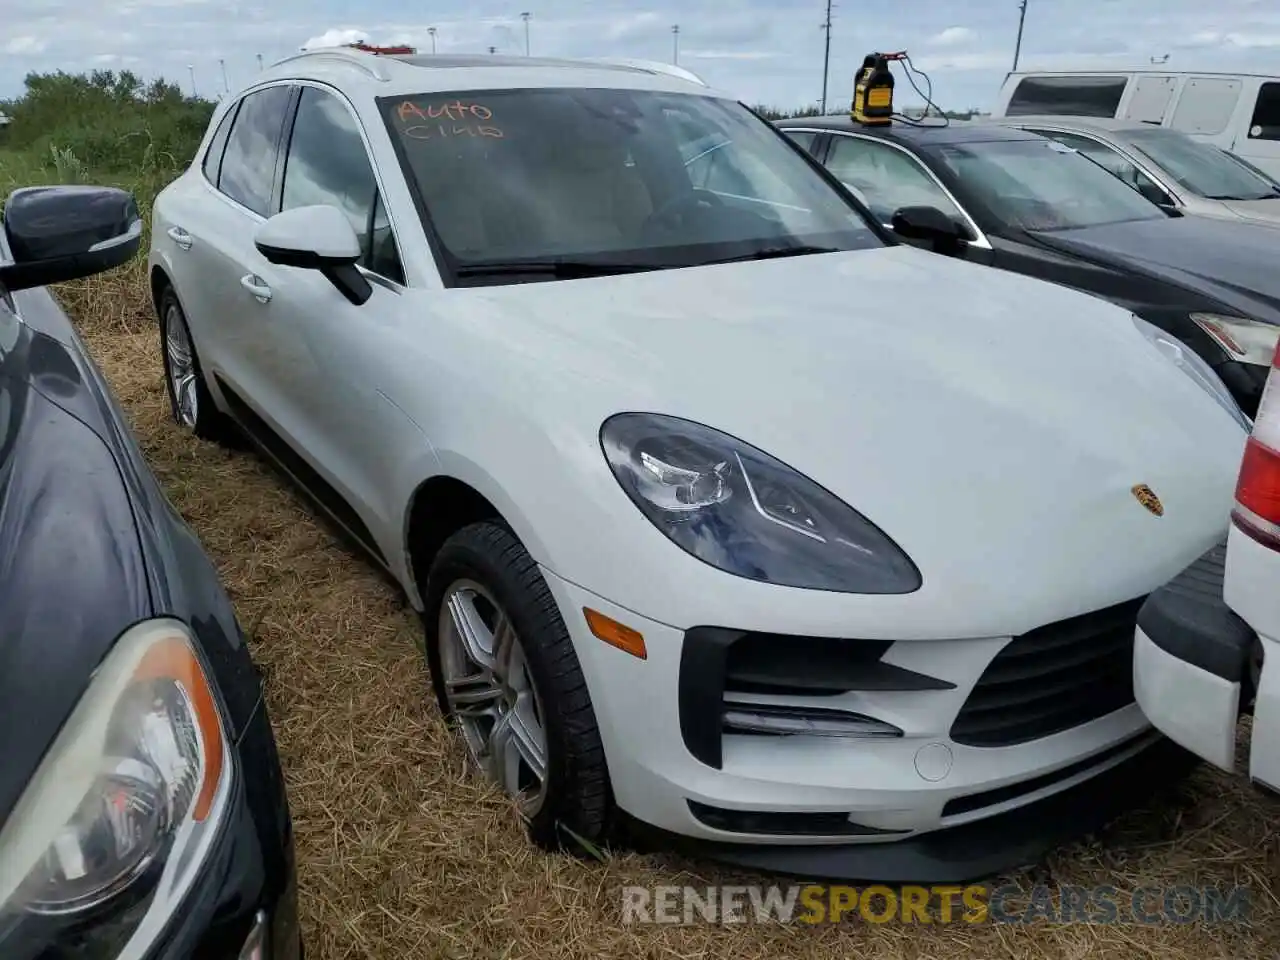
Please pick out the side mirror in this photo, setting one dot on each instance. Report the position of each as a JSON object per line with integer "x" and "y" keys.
{"x": 931, "y": 225}
{"x": 56, "y": 234}
{"x": 1155, "y": 194}
{"x": 316, "y": 238}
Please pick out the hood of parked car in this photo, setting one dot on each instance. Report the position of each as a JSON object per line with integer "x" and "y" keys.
{"x": 1264, "y": 211}
{"x": 71, "y": 573}
{"x": 1231, "y": 261}
{"x": 991, "y": 423}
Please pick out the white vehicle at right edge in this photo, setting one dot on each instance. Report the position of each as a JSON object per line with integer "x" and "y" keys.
{"x": 1208, "y": 643}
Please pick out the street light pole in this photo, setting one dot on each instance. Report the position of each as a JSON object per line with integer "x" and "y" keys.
{"x": 259, "y": 63}
{"x": 675, "y": 44}
{"x": 1022, "y": 16}
{"x": 525, "y": 17}
{"x": 432, "y": 31}
{"x": 826, "y": 58}
{"x": 226, "y": 87}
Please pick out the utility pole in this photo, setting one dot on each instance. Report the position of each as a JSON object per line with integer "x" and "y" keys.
{"x": 226, "y": 87}
{"x": 675, "y": 44}
{"x": 826, "y": 58}
{"x": 1022, "y": 16}
{"x": 432, "y": 31}
{"x": 525, "y": 17}
{"x": 191, "y": 69}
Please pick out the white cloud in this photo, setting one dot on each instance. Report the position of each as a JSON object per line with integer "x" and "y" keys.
{"x": 337, "y": 37}
{"x": 23, "y": 46}
{"x": 951, "y": 37}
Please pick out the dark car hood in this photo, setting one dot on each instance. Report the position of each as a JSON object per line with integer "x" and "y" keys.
{"x": 72, "y": 577}
{"x": 1232, "y": 262}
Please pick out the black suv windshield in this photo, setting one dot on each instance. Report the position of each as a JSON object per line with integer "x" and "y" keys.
{"x": 1040, "y": 185}
{"x": 560, "y": 183}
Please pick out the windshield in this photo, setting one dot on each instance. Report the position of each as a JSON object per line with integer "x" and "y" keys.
{"x": 598, "y": 181}
{"x": 1041, "y": 185}
{"x": 1203, "y": 169}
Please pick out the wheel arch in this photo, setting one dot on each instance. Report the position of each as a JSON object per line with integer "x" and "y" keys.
{"x": 159, "y": 279}
{"x": 443, "y": 504}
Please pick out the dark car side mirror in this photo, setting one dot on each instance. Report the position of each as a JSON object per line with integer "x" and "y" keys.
{"x": 931, "y": 225}
{"x": 64, "y": 233}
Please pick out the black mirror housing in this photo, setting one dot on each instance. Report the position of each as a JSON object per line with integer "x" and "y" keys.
{"x": 929, "y": 224}
{"x": 62, "y": 233}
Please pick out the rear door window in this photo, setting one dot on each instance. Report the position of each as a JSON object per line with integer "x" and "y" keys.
{"x": 1067, "y": 96}
{"x": 1265, "y": 124}
{"x": 249, "y": 163}
{"x": 213, "y": 156}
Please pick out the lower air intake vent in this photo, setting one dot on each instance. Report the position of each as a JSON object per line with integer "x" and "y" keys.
{"x": 1052, "y": 679}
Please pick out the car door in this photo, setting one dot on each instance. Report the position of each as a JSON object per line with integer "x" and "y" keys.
{"x": 341, "y": 434}
{"x": 887, "y": 177}
{"x": 221, "y": 279}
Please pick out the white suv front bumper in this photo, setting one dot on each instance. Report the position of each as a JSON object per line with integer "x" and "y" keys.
{"x": 923, "y": 806}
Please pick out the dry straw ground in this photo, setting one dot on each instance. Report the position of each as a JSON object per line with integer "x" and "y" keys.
{"x": 404, "y": 854}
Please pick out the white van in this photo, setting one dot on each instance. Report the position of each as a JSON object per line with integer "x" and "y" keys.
{"x": 1236, "y": 111}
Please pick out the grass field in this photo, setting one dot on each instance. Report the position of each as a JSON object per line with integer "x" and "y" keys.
{"x": 404, "y": 854}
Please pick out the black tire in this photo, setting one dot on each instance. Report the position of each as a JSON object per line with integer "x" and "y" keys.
{"x": 209, "y": 422}
{"x": 578, "y": 802}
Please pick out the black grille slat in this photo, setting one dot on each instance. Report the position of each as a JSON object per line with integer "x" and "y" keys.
{"x": 1051, "y": 679}
{"x": 1023, "y": 668}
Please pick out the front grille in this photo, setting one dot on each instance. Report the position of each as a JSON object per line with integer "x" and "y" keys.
{"x": 1052, "y": 679}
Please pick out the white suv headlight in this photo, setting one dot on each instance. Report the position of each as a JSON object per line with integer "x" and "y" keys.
{"x": 1194, "y": 366}
{"x": 113, "y": 828}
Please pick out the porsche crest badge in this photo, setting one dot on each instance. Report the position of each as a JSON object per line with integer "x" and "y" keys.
{"x": 1147, "y": 497}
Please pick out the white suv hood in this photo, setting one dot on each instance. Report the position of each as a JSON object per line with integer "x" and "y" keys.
{"x": 985, "y": 421}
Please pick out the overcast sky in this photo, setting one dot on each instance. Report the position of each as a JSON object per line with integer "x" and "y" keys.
{"x": 764, "y": 51}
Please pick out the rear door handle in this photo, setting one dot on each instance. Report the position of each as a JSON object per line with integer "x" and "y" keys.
{"x": 257, "y": 286}
{"x": 180, "y": 237}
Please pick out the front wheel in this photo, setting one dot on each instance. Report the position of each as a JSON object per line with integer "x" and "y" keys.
{"x": 506, "y": 676}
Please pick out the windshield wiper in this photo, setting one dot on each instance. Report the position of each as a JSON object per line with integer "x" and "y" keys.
{"x": 771, "y": 253}
{"x": 1266, "y": 196}
{"x": 555, "y": 268}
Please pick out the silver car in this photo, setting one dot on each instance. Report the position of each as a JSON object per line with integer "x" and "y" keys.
{"x": 1167, "y": 167}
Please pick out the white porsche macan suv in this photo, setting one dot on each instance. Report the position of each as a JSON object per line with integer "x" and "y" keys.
{"x": 723, "y": 510}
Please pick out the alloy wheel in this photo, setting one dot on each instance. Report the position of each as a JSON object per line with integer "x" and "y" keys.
{"x": 491, "y": 694}
{"x": 182, "y": 368}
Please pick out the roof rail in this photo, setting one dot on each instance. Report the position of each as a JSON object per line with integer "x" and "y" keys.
{"x": 371, "y": 65}
{"x": 651, "y": 66}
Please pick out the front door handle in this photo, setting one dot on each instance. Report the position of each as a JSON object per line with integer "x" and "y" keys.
{"x": 257, "y": 286}
{"x": 180, "y": 237}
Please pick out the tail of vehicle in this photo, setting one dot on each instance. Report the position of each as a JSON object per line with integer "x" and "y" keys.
{"x": 1257, "y": 509}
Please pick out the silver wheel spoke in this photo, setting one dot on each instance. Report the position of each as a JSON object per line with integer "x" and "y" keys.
{"x": 474, "y": 696}
{"x": 490, "y": 693}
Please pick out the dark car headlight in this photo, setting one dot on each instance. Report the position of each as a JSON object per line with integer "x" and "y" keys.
{"x": 114, "y": 826}
{"x": 747, "y": 513}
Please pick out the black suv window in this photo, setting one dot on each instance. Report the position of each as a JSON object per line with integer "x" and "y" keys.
{"x": 1265, "y": 124}
{"x": 213, "y": 157}
{"x": 249, "y": 163}
{"x": 1067, "y": 96}
{"x": 327, "y": 163}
